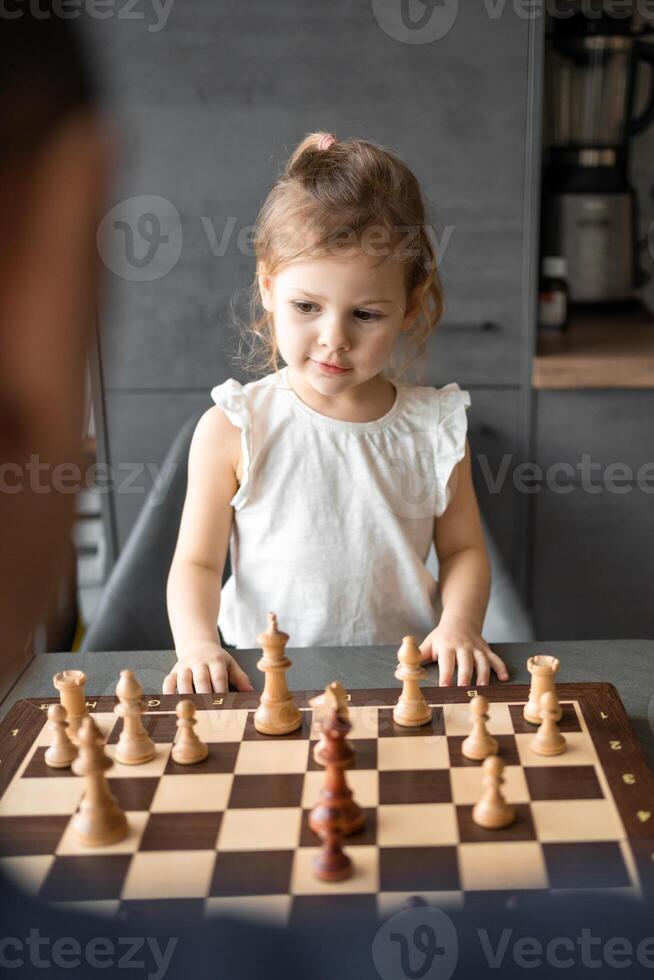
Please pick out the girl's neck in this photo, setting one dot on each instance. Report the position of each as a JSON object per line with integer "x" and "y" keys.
{"x": 366, "y": 402}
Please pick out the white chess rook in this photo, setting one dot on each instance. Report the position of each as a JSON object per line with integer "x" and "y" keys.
{"x": 70, "y": 685}
{"x": 542, "y": 669}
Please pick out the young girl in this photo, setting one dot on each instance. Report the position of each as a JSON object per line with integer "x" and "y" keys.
{"x": 329, "y": 477}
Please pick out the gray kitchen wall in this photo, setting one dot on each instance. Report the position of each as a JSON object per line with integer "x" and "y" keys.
{"x": 207, "y": 108}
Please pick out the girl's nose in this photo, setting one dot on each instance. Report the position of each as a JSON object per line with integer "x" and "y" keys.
{"x": 333, "y": 334}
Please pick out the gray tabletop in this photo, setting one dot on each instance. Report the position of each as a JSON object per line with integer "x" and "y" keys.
{"x": 628, "y": 664}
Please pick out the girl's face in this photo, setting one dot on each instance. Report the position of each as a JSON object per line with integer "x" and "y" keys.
{"x": 345, "y": 311}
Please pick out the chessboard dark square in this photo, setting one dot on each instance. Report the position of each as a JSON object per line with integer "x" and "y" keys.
{"x": 138, "y": 913}
{"x": 483, "y": 900}
{"x": 365, "y": 756}
{"x": 586, "y": 864}
{"x": 30, "y": 835}
{"x": 508, "y": 750}
{"x": 251, "y": 734}
{"x": 160, "y": 727}
{"x": 415, "y": 786}
{"x": 37, "y": 767}
{"x": 404, "y": 869}
{"x": 332, "y": 910}
{"x": 563, "y": 783}
{"x": 181, "y": 831}
{"x": 86, "y": 878}
{"x": 252, "y": 873}
{"x": 386, "y": 727}
{"x": 367, "y": 834}
{"x": 521, "y": 829}
{"x": 221, "y": 758}
{"x": 279, "y": 789}
{"x": 134, "y": 793}
{"x": 569, "y": 721}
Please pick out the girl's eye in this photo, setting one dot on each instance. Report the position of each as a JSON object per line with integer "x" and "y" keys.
{"x": 306, "y": 307}
{"x": 299, "y": 305}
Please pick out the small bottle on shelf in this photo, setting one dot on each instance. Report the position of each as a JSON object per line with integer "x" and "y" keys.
{"x": 553, "y": 294}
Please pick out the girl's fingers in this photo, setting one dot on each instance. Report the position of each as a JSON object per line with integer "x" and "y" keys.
{"x": 184, "y": 680}
{"x": 498, "y": 666}
{"x": 238, "y": 677}
{"x": 446, "y": 661}
{"x": 426, "y": 652}
{"x": 483, "y": 667}
{"x": 170, "y": 683}
{"x": 201, "y": 679}
{"x": 464, "y": 662}
{"x": 218, "y": 673}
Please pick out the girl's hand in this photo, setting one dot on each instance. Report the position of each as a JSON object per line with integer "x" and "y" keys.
{"x": 205, "y": 667}
{"x": 457, "y": 641}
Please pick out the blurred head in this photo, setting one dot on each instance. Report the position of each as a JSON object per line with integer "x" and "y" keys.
{"x": 53, "y": 150}
{"x": 345, "y": 265}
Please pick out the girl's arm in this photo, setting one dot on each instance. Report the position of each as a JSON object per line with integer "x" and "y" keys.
{"x": 464, "y": 583}
{"x": 195, "y": 577}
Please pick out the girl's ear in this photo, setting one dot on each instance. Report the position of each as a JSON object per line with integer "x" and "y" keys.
{"x": 266, "y": 290}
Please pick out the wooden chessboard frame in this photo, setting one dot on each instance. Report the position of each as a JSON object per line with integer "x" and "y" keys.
{"x": 629, "y": 778}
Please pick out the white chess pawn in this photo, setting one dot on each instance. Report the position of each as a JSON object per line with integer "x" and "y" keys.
{"x": 188, "y": 748}
{"x": 99, "y": 820}
{"x": 479, "y": 744}
{"x": 411, "y": 710}
{"x": 62, "y": 751}
{"x": 548, "y": 740}
{"x": 492, "y": 811}
{"x": 134, "y": 745}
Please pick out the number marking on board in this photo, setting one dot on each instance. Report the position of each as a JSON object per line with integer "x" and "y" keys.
{"x": 15, "y": 732}
{"x": 603, "y": 715}
{"x": 616, "y": 745}
{"x": 644, "y": 815}
{"x": 628, "y": 778}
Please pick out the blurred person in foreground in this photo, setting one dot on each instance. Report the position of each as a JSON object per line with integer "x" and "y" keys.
{"x": 55, "y": 164}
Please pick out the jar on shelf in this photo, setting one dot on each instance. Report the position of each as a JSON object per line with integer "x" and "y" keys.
{"x": 553, "y": 294}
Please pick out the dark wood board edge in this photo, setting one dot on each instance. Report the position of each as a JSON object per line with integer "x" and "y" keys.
{"x": 24, "y": 721}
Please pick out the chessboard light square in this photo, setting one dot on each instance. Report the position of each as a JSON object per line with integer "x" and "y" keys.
{"x": 255, "y": 758}
{"x": 585, "y": 820}
{"x": 221, "y": 725}
{"x": 364, "y": 878}
{"x": 41, "y": 797}
{"x": 169, "y": 874}
{"x": 154, "y": 767}
{"x": 458, "y": 718}
{"x": 578, "y": 752}
{"x": 498, "y": 866}
{"x": 27, "y": 873}
{"x": 467, "y": 784}
{"x": 364, "y": 785}
{"x": 199, "y": 791}
{"x": 260, "y": 828}
{"x": 413, "y": 752}
{"x": 272, "y": 909}
{"x": 136, "y": 821}
{"x": 105, "y": 720}
{"x": 363, "y": 719}
{"x": 417, "y": 825}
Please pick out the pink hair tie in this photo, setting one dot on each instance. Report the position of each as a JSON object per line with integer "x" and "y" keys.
{"x": 326, "y": 141}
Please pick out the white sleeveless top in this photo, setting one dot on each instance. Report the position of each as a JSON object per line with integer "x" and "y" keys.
{"x": 333, "y": 520}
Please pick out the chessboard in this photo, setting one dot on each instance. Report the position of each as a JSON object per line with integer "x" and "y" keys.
{"x": 231, "y": 834}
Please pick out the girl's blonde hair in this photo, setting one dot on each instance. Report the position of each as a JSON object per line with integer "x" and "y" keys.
{"x": 353, "y": 193}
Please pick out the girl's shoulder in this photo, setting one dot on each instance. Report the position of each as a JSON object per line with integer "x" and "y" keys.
{"x": 429, "y": 405}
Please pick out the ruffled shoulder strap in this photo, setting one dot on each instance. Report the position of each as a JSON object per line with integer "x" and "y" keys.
{"x": 231, "y": 397}
{"x": 452, "y": 427}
